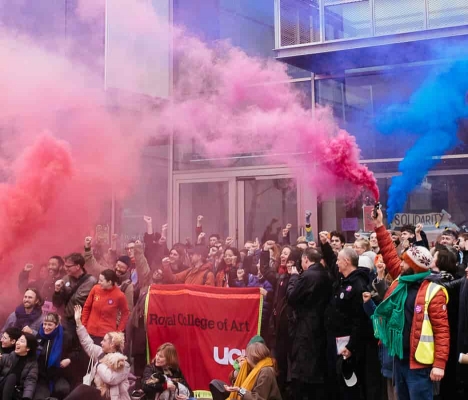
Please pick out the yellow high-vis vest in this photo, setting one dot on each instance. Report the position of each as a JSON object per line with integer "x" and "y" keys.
{"x": 425, "y": 350}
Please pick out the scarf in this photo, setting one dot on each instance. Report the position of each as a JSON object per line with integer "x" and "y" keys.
{"x": 282, "y": 269}
{"x": 389, "y": 316}
{"x": 55, "y": 355}
{"x": 124, "y": 277}
{"x": 23, "y": 319}
{"x": 247, "y": 380}
{"x": 56, "y": 352}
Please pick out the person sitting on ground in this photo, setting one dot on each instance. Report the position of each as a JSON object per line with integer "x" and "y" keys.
{"x": 9, "y": 339}
{"x": 257, "y": 377}
{"x": 109, "y": 368}
{"x": 19, "y": 371}
{"x": 241, "y": 360}
{"x": 27, "y": 316}
{"x": 164, "y": 374}
{"x": 53, "y": 359}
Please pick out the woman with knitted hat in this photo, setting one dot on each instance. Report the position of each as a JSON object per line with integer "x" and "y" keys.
{"x": 257, "y": 377}
{"x": 401, "y": 321}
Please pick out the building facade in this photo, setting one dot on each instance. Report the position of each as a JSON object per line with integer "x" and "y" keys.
{"x": 354, "y": 56}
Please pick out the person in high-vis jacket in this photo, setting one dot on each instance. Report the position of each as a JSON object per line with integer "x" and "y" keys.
{"x": 412, "y": 321}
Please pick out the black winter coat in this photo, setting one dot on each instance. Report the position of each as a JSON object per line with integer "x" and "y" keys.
{"x": 45, "y": 347}
{"x": 151, "y": 389}
{"x": 345, "y": 314}
{"x": 29, "y": 375}
{"x": 308, "y": 296}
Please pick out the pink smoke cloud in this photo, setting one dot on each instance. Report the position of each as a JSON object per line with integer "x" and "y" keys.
{"x": 225, "y": 101}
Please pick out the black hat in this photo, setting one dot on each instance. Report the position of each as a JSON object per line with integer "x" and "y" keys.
{"x": 217, "y": 390}
{"x": 126, "y": 260}
{"x": 345, "y": 368}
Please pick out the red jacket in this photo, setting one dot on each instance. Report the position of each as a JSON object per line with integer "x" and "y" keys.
{"x": 437, "y": 307}
{"x": 102, "y": 309}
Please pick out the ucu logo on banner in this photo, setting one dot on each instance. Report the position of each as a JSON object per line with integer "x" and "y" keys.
{"x": 228, "y": 354}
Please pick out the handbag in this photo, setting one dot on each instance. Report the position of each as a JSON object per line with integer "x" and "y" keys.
{"x": 89, "y": 377}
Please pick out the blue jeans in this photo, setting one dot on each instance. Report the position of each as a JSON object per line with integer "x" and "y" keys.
{"x": 412, "y": 384}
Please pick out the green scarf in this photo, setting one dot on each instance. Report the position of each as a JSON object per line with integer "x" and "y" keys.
{"x": 389, "y": 316}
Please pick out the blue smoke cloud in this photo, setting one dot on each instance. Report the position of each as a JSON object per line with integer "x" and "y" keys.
{"x": 433, "y": 114}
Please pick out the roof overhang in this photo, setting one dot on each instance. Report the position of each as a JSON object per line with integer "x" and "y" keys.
{"x": 376, "y": 51}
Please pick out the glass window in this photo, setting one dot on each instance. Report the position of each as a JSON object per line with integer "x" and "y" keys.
{"x": 347, "y": 20}
{"x": 398, "y": 16}
{"x": 299, "y": 21}
{"x": 148, "y": 197}
{"x": 248, "y": 25}
{"x": 210, "y": 199}
{"x": 269, "y": 203}
{"x": 189, "y": 155}
{"x": 444, "y": 13}
{"x": 445, "y": 195}
{"x": 357, "y": 99}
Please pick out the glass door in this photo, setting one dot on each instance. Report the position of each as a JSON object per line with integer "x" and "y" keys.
{"x": 214, "y": 199}
{"x": 266, "y": 204}
{"x": 242, "y": 203}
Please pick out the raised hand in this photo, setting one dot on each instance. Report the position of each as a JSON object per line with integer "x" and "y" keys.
{"x": 268, "y": 245}
{"x": 324, "y": 236}
{"x": 28, "y": 267}
{"x": 78, "y": 311}
{"x": 419, "y": 228}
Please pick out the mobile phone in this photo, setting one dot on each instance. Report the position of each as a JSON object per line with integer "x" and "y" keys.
{"x": 377, "y": 207}
{"x": 298, "y": 265}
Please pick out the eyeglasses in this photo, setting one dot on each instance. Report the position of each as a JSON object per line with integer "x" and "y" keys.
{"x": 69, "y": 266}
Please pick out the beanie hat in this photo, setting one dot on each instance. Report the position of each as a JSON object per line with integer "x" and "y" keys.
{"x": 418, "y": 258}
{"x": 126, "y": 260}
{"x": 256, "y": 339}
{"x": 366, "y": 262}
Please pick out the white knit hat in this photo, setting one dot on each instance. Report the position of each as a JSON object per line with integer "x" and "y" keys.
{"x": 419, "y": 256}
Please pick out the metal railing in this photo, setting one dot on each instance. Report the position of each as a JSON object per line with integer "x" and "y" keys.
{"x": 300, "y": 22}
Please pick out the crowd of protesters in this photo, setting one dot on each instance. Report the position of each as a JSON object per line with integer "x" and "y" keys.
{"x": 383, "y": 318}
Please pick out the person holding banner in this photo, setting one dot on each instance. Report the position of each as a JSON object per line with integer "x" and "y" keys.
{"x": 227, "y": 270}
{"x": 257, "y": 377}
{"x": 163, "y": 376}
{"x": 200, "y": 273}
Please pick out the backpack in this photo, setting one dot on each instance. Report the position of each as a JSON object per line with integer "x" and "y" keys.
{"x": 205, "y": 277}
{"x": 124, "y": 286}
